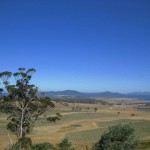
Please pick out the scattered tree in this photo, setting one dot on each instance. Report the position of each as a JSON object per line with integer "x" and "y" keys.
{"x": 95, "y": 109}
{"x": 54, "y": 118}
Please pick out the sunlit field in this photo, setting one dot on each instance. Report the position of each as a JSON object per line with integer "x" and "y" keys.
{"x": 84, "y": 126}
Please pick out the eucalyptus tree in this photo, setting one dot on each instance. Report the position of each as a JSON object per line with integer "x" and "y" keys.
{"x": 21, "y": 102}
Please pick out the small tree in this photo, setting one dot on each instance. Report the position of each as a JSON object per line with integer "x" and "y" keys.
{"x": 21, "y": 102}
{"x": 119, "y": 137}
{"x": 95, "y": 109}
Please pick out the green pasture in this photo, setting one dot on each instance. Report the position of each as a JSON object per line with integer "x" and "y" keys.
{"x": 75, "y": 116}
{"x": 142, "y": 130}
{"x": 81, "y": 116}
{"x": 142, "y": 127}
{"x": 90, "y": 136}
{"x": 144, "y": 146}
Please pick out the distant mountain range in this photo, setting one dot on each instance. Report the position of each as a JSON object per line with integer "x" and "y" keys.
{"x": 107, "y": 94}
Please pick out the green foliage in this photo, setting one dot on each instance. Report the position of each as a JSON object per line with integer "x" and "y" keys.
{"x": 39, "y": 146}
{"x": 14, "y": 147}
{"x": 22, "y": 104}
{"x": 95, "y": 109}
{"x": 54, "y": 118}
{"x": 42, "y": 146}
{"x": 90, "y": 136}
{"x": 119, "y": 137}
{"x": 24, "y": 143}
{"x": 65, "y": 145}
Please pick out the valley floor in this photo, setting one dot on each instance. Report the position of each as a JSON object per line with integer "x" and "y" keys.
{"x": 84, "y": 126}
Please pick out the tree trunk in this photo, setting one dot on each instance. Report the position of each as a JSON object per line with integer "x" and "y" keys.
{"x": 21, "y": 129}
{"x": 21, "y": 124}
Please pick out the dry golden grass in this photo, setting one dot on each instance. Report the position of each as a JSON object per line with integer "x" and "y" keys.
{"x": 53, "y": 133}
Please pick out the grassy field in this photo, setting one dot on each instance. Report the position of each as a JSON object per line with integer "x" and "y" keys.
{"x": 142, "y": 130}
{"x": 84, "y": 128}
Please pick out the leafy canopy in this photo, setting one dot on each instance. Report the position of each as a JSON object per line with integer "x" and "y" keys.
{"x": 21, "y": 102}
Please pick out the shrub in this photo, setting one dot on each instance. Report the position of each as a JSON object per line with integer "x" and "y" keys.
{"x": 42, "y": 146}
{"x": 24, "y": 143}
{"x": 39, "y": 146}
{"x": 65, "y": 145}
{"x": 119, "y": 137}
{"x": 14, "y": 147}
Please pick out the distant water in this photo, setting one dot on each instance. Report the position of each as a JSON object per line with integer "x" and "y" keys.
{"x": 141, "y": 108}
{"x": 147, "y": 103}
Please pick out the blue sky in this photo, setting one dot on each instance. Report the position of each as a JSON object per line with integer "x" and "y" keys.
{"x": 85, "y": 45}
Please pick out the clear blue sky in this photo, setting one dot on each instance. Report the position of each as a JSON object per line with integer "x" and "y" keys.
{"x": 85, "y": 45}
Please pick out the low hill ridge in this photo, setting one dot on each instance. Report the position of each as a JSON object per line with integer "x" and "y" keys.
{"x": 106, "y": 94}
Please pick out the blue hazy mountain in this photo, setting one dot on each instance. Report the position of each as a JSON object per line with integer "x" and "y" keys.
{"x": 106, "y": 94}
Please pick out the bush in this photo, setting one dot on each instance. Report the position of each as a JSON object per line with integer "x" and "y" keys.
{"x": 119, "y": 137}
{"x": 65, "y": 145}
{"x": 42, "y": 146}
{"x": 25, "y": 143}
{"x": 14, "y": 147}
{"x": 39, "y": 146}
